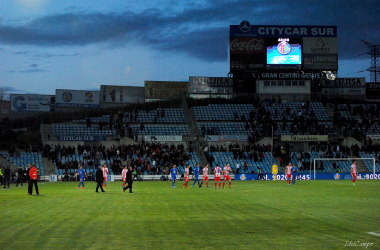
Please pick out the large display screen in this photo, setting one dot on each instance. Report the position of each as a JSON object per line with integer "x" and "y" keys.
{"x": 284, "y": 51}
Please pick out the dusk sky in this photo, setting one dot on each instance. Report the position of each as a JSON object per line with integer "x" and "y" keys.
{"x": 66, "y": 44}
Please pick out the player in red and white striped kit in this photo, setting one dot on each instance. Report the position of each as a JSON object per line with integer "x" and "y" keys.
{"x": 187, "y": 169}
{"x": 105, "y": 172}
{"x": 205, "y": 175}
{"x": 288, "y": 173}
{"x": 124, "y": 175}
{"x": 217, "y": 173}
{"x": 227, "y": 176}
{"x": 354, "y": 173}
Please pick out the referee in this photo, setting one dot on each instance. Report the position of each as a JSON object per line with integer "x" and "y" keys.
{"x": 129, "y": 180}
{"x": 99, "y": 179}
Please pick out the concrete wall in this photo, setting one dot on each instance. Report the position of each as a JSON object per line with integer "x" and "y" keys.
{"x": 262, "y": 89}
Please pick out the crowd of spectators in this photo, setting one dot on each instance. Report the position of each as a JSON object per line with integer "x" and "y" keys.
{"x": 152, "y": 158}
{"x": 356, "y": 119}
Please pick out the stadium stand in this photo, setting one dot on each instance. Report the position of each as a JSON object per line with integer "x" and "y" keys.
{"x": 79, "y": 129}
{"x": 265, "y": 163}
{"x": 67, "y": 159}
{"x": 23, "y": 159}
{"x": 226, "y": 128}
{"x": 161, "y": 129}
{"x": 289, "y": 110}
{"x": 160, "y": 115}
{"x": 223, "y": 112}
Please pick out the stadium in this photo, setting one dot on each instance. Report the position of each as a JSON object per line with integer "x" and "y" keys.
{"x": 280, "y": 104}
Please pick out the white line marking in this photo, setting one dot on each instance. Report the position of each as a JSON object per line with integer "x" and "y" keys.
{"x": 376, "y": 234}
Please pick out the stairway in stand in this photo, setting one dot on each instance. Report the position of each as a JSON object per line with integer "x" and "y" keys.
{"x": 5, "y": 163}
{"x": 360, "y": 167}
{"x": 49, "y": 166}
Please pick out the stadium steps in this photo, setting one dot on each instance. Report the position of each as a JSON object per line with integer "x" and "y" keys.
{"x": 126, "y": 141}
{"x": 360, "y": 167}
{"x": 330, "y": 112}
{"x": 5, "y": 163}
{"x": 48, "y": 130}
{"x": 49, "y": 166}
{"x": 190, "y": 119}
{"x": 283, "y": 169}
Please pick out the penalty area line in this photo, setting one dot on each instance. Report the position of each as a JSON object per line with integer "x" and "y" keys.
{"x": 376, "y": 234}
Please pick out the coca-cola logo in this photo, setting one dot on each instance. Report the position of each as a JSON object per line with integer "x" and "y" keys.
{"x": 253, "y": 45}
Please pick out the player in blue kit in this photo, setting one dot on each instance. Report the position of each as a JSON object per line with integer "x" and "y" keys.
{"x": 294, "y": 173}
{"x": 196, "y": 175}
{"x": 174, "y": 172}
{"x": 81, "y": 174}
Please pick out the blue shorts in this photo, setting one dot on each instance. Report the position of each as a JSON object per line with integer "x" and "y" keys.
{"x": 81, "y": 178}
{"x": 174, "y": 177}
{"x": 197, "y": 178}
{"x": 294, "y": 176}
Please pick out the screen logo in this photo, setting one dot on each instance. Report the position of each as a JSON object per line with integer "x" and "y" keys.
{"x": 283, "y": 47}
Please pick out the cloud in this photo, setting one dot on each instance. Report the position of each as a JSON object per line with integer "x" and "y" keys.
{"x": 200, "y": 31}
{"x": 12, "y": 90}
{"x": 34, "y": 65}
{"x": 49, "y": 55}
{"x": 28, "y": 71}
{"x": 21, "y": 52}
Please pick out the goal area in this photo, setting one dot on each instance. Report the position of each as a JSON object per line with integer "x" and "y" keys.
{"x": 343, "y": 165}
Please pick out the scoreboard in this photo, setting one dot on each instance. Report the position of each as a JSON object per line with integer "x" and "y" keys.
{"x": 271, "y": 47}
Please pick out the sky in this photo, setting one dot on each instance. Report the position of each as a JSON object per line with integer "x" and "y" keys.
{"x": 66, "y": 44}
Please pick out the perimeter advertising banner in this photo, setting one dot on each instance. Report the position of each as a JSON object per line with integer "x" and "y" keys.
{"x": 306, "y": 177}
{"x": 303, "y": 138}
{"x": 373, "y": 137}
{"x": 161, "y": 138}
{"x": 4, "y": 109}
{"x": 245, "y": 29}
{"x": 227, "y": 138}
{"x": 165, "y": 89}
{"x": 121, "y": 94}
{"x": 77, "y": 98}
{"x": 82, "y": 138}
{"x": 287, "y": 75}
{"x": 247, "y": 52}
{"x": 32, "y": 103}
{"x": 320, "y": 53}
{"x": 344, "y": 86}
{"x": 199, "y": 85}
{"x": 373, "y": 90}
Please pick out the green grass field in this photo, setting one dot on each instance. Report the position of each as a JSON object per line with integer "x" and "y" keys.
{"x": 251, "y": 215}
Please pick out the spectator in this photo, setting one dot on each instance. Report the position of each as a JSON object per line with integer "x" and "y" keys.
{"x": 88, "y": 122}
{"x": 19, "y": 177}
{"x": 7, "y": 176}
{"x": 91, "y": 176}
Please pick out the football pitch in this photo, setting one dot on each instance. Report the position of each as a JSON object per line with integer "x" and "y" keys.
{"x": 252, "y": 215}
